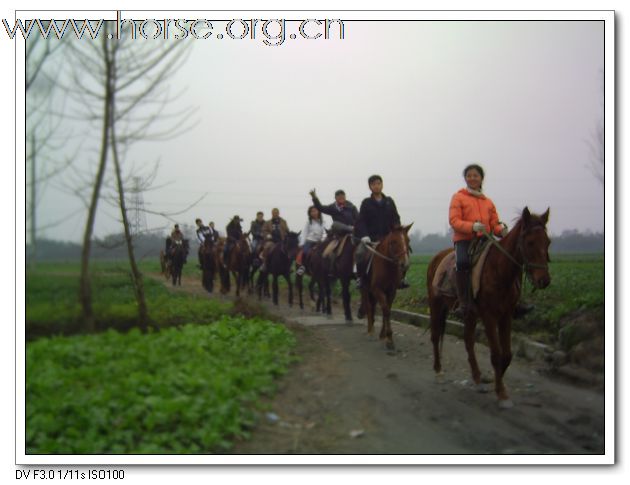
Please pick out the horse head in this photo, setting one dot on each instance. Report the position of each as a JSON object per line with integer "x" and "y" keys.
{"x": 396, "y": 245}
{"x": 291, "y": 244}
{"x": 534, "y": 247}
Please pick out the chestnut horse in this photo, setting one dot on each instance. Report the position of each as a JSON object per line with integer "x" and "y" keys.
{"x": 523, "y": 250}
{"x": 389, "y": 260}
{"x": 238, "y": 262}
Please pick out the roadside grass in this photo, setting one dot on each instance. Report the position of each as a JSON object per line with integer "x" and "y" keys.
{"x": 192, "y": 389}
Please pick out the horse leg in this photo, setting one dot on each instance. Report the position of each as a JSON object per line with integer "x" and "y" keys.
{"x": 505, "y": 341}
{"x": 345, "y": 295}
{"x": 369, "y": 310}
{"x": 300, "y": 289}
{"x": 328, "y": 295}
{"x": 287, "y": 277}
{"x": 386, "y": 331}
{"x": 496, "y": 357}
{"x": 439, "y": 311}
{"x": 275, "y": 289}
{"x": 470, "y": 323}
{"x": 237, "y": 282}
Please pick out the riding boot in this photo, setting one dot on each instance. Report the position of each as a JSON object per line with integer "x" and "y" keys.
{"x": 462, "y": 279}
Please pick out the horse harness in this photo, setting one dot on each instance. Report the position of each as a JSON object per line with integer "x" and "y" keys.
{"x": 525, "y": 265}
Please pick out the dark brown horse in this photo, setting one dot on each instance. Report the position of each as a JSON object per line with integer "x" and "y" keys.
{"x": 238, "y": 262}
{"x": 308, "y": 261}
{"x": 389, "y": 260}
{"x": 208, "y": 260}
{"x": 278, "y": 263}
{"x": 523, "y": 250}
{"x": 179, "y": 251}
{"x": 325, "y": 275}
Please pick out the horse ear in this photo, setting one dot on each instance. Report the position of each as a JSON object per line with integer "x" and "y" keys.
{"x": 299, "y": 233}
{"x": 406, "y": 228}
{"x": 526, "y": 215}
{"x": 545, "y": 216}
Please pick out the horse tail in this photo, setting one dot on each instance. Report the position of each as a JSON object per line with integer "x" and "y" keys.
{"x": 438, "y": 309}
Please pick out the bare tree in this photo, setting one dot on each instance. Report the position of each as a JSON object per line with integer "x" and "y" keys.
{"x": 596, "y": 144}
{"x": 126, "y": 91}
{"x": 42, "y": 126}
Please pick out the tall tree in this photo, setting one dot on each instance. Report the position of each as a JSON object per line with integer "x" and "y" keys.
{"x": 133, "y": 95}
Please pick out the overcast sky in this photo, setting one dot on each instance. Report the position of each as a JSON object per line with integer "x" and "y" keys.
{"x": 412, "y": 101}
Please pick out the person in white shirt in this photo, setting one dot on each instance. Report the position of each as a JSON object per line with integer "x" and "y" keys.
{"x": 314, "y": 232}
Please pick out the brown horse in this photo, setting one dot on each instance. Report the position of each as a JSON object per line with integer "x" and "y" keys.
{"x": 278, "y": 263}
{"x": 523, "y": 250}
{"x": 308, "y": 261}
{"x": 208, "y": 258}
{"x": 389, "y": 260}
{"x": 238, "y": 262}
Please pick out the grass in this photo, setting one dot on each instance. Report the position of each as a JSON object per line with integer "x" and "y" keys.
{"x": 188, "y": 390}
{"x": 577, "y": 285}
{"x": 193, "y": 387}
{"x": 52, "y": 300}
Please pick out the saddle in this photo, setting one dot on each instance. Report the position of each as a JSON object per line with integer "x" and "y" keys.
{"x": 336, "y": 244}
{"x": 444, "y": 282}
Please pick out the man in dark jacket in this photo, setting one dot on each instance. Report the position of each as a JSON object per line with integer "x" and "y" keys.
{"x": 377, "y": 216}
{"x": 234, "y": 232}
{"x": 343, "y": 212}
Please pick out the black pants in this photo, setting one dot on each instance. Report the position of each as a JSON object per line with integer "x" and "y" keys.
{"x": 462, "y": 259}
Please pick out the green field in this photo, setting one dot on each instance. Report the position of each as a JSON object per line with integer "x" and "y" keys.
{"x": 577, "y": 285}
{"x": 192, "y": 387}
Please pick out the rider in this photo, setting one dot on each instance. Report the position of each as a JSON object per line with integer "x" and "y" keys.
{"x": 213, "y": 232}
{"x": 314, "y": 232}
{"x": 470, "y": 213}
{"x": 344, "y": 215}
{"x": 343, "y": 212}
{"x": 202, "y": 233}
{"x": 234, "y": 233}
{"x": 377, "y": 216}
{"x": 176, "y": 235}
{"x": 274, "y": 231}
{"x": 255, "y": 229}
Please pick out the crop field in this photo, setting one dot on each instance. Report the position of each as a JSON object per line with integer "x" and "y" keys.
{"x": 192, "y": 387}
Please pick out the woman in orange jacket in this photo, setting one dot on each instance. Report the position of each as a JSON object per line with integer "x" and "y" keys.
{"x": 469, "y": 213}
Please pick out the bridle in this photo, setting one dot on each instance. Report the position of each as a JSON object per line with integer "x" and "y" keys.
{"x": 395, "y": 260}
{"x": 526, "y": 266}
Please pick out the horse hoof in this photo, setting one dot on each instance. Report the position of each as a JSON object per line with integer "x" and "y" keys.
{"x": 349, "y": 322}
{"x": 482, "y": 388}
{"x": 390, "y": 346}
{"x": 440, "y": 377}
{"x": 505, "y": 404}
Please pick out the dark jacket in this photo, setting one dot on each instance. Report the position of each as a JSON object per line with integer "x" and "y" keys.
{"x": 348, "y": 215}
{"x": 256, "y": 228}
{"x": 234, "y": 230}
{"x": 376, "y": 219}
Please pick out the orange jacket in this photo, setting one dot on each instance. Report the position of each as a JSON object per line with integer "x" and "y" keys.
{"x": 466, "y": 209}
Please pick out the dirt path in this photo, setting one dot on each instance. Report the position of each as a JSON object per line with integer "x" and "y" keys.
{"x": 348, "y": 395}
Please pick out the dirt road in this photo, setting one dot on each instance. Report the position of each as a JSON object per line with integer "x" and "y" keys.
{"x": 348, "y": 395}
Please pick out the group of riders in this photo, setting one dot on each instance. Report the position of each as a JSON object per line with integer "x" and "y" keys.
{"x": 472, "y": 215}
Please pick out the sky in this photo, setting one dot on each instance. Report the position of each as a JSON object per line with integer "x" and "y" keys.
{"x": 413, "y": 101}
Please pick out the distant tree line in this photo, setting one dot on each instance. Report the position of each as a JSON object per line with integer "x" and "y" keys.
{"x": 569, "y": 241}
{"x": 148, "y": 245}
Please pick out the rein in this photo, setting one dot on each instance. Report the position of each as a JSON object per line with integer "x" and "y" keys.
{"x": 372, "y": 248}
{"x": 523, "y": 266}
